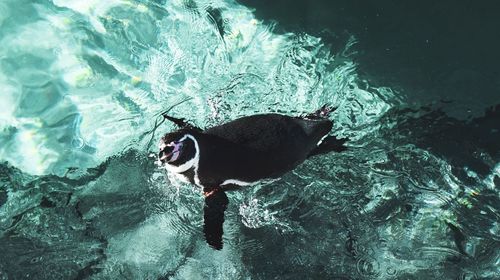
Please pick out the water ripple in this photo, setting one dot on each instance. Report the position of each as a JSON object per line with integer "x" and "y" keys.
{"x": 412, "y": 197}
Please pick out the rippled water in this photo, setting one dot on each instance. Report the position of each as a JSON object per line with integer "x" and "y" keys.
{"x": 83, "y": 83}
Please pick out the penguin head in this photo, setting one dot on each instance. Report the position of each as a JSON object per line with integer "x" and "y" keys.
{"x": 178, "y": 148}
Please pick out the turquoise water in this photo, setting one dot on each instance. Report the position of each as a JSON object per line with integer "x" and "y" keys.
{"x": 83, "y": 84}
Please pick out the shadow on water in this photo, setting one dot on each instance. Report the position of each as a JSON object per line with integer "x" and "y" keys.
{"x": 467, "y": 145}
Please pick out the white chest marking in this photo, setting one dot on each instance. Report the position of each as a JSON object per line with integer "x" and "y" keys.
{"x": 240, "y": 183}
{"x": 237, "y": 182}
{"x": 321, "y": 140}
{"x": 181, "y": 177}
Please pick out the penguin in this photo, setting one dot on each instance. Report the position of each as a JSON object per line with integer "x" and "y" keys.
{"x": 242, "y": 153}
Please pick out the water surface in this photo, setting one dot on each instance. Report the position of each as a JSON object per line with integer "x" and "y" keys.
{"x": 83, "y": 83}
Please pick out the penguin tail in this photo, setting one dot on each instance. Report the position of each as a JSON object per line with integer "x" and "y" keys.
{"x": 322, "y": 113}
{"x": 213, "y": 216}
{"x": 329, "y": 144}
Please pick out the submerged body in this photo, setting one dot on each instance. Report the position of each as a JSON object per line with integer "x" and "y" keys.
{"x": 241, "y": 153}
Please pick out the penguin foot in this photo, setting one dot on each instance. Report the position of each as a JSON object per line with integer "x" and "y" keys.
{"x": 213, "y": 216}
{"x": 211, "y": 192}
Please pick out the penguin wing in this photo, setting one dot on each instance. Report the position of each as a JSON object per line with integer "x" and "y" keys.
{"x": 213, "y": 217}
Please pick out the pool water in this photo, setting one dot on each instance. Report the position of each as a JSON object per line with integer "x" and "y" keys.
{"x": 415, "y": 196}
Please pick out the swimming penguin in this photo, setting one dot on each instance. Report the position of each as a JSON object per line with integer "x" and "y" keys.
{"x": 242, "y": 153}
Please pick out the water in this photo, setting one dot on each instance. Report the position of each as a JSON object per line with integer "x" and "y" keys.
{"x": 83, "y": 83}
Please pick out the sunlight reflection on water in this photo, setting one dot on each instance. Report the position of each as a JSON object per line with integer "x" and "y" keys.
{"x": 83, "y": 83}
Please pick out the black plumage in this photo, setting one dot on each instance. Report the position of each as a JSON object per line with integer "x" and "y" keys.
{"x": 242, "y": 152}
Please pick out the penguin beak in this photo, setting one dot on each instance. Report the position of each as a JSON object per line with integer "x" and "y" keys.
{"x": 165, "y": 154}
{"x": 170, "y": 152}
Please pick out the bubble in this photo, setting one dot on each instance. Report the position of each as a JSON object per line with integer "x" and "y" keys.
{"x": 467, "y": 276}
{"x": 254, "y": 215}
{"x": 35, "y": 260}
{"x": 391, "y": 271}
{"x": 77, "y": 143}
{"x": 368, "y": 267}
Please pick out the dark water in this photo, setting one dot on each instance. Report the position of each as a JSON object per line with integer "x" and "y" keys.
{"x": 417, "y": 86}
{"x": 433, "y": 51}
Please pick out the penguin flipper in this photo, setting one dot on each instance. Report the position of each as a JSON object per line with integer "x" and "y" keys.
{"x": 182, "y": 123}
{"x": 213, "y": 216}
{"x": 329, "y": 144}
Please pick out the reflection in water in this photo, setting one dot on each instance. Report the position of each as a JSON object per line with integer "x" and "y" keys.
{"x": 414, "y": 197}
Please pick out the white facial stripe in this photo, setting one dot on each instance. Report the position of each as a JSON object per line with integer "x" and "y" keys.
{"x": 186, "y": 137}
{"x": 190, "y": 163}
{"x": 197, "y": 160}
